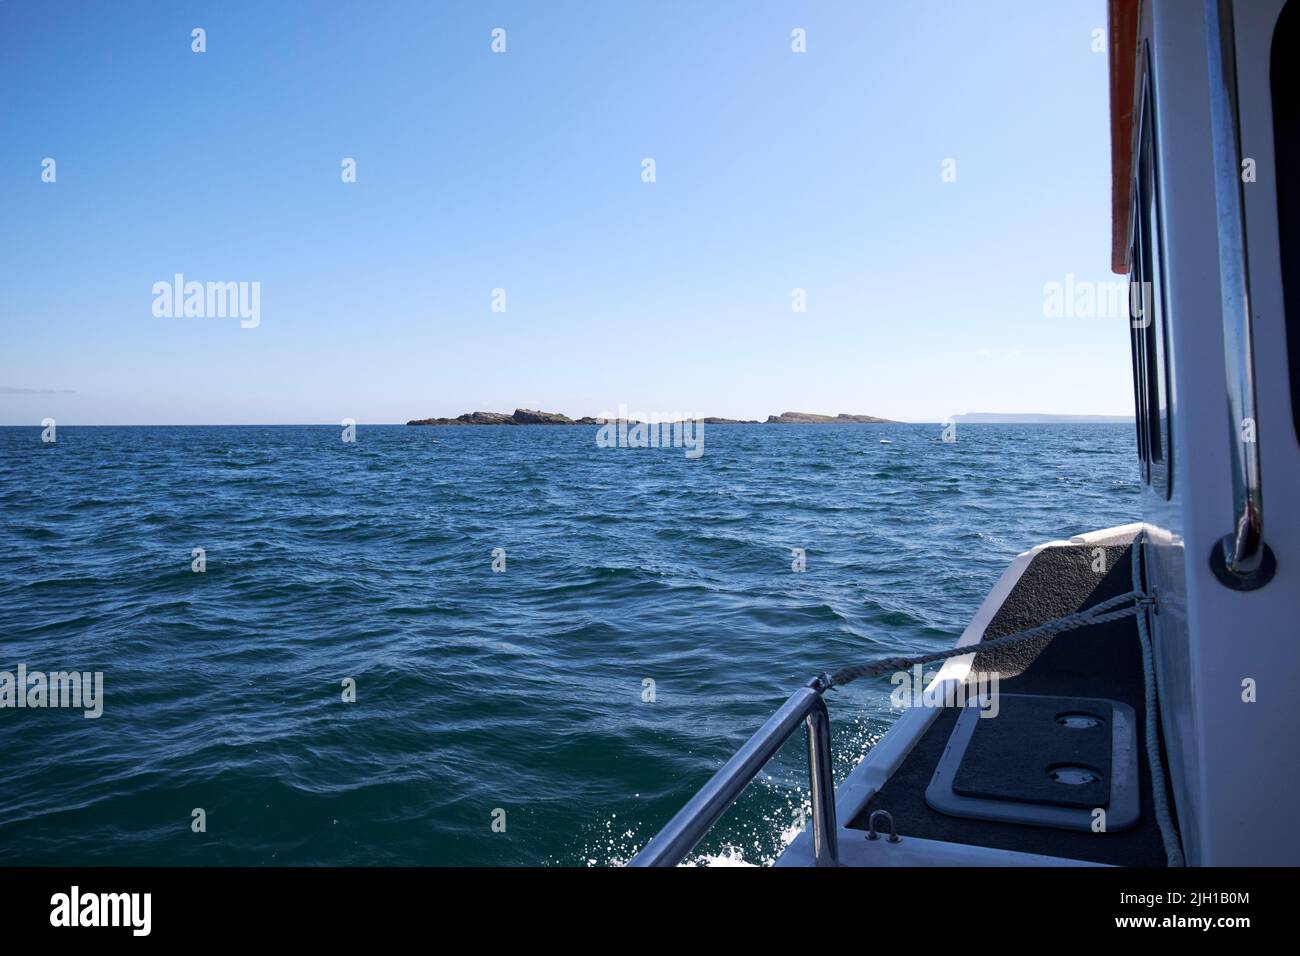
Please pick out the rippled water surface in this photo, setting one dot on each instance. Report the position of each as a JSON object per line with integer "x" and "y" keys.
{"x": 477, "y": 691}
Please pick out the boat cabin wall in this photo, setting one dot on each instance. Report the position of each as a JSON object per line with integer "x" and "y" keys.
{"x": 1228, "y": 661}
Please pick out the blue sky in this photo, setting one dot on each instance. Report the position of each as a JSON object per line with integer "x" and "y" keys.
{"x": 522, "y": 171}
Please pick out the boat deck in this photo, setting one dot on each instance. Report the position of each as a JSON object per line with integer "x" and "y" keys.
{"x": 1102, "y": 660}
{"x": 1099, "y": 661}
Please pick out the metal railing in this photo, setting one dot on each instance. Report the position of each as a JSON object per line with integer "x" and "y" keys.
{"x": 1241, "y": 560}
{"x": 805, "y": 706}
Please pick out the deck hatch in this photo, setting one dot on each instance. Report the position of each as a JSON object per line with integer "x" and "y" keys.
{"x": 1043, "y": 760}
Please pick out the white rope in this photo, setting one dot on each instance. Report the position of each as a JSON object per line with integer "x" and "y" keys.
{"x": 1173, "y": 853}
{"x": 1097, "y": 614}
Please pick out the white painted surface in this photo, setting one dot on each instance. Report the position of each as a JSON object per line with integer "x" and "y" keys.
{"x": 1233, "y": 764}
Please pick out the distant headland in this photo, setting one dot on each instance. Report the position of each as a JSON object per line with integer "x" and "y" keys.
{"x": 529, "y": 416}
{"x": 1028, "y": 418}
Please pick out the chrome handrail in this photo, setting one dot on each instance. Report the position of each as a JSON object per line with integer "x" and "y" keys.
{"x": 805, "y": 706}
{"x": 1242, "y": 553}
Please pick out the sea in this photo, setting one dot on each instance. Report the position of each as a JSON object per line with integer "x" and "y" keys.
{"x": 485, "y": 645}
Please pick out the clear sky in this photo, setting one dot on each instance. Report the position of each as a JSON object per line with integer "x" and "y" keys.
{"x": 774, "y": 170}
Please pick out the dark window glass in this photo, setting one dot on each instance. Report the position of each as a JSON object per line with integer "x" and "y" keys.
{"x": 1284, "y": 68}
{"x": 1136, "y": 280}
{"x": 1151, "y": 381}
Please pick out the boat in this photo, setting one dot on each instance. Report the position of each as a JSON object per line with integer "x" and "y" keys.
{"x": 1122, "y": 698}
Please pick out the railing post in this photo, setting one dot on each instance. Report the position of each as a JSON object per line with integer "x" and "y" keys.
{"x": 680, "y": 834}
{"x": 822, "y": 784}
{"x": 1242, "y": 560}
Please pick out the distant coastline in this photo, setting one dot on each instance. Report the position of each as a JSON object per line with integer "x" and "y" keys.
{"x": 1026, "y": 418}
{"x": 529, "y": 416}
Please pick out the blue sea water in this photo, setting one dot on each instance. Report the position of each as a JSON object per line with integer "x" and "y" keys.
{"x": 480, "y": 691}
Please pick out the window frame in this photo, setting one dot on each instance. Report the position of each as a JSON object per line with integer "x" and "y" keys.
{"x": 1152, "y": 382}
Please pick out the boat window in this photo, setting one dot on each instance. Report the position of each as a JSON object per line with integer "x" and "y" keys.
{"x": 1138, "y": 341}
{"x": 1149, "y": 327}
{"x": 1284, "y": 72}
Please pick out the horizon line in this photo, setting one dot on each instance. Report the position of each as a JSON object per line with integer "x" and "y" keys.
{"x": 1089, "y": 420}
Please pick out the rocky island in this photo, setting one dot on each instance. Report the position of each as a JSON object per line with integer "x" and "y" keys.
{"x": 522, "y": 416}
{"x": 807, "y": 418}
{"x": 529, "y": 416}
